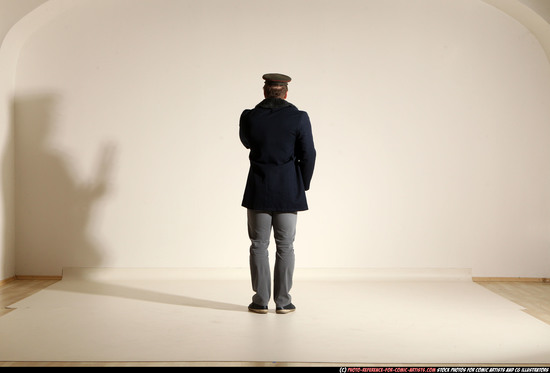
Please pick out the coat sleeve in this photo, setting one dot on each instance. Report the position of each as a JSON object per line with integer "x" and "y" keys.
{"x": 243, "y": 129}
{"x": 305, "y": 150}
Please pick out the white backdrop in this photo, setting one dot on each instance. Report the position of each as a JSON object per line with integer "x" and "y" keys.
{"x": 430, "y": 119}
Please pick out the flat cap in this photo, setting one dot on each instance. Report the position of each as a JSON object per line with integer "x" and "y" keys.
{"x": 276, "y": 79}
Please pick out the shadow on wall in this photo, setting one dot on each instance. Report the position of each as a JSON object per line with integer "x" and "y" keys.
{"x": 52, "y": 207}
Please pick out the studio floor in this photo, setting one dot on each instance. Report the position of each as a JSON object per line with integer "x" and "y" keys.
{"x": 164, "y": 316}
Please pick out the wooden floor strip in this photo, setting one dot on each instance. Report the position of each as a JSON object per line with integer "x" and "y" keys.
{"x": 510, "y": 279}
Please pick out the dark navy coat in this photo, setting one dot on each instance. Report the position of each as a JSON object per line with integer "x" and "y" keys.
{"x": 282, "y": 156}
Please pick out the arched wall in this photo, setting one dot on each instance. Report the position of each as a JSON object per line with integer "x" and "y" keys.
{"x": 533, "y": 14}
{"x": 19, "y": 19}
{"x": 430, "y": 120}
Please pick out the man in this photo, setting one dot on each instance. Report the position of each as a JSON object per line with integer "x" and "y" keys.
{"x": 282, "y": 158}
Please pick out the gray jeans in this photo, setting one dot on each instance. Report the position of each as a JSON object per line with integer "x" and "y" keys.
{"x": 259, "y": 231}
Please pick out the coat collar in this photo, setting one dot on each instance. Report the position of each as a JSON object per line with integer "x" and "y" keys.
{"x": 274, "y": 103}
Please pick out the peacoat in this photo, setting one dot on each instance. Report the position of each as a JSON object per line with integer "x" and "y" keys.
{"x": 282, "y": 156}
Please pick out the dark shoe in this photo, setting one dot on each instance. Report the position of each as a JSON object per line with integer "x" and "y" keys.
{"x": 286, "y": 309}
{"x": 253, "y": 307}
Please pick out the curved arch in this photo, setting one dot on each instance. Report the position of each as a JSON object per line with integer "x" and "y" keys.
{"x": 528, "y": 17}
{"x": 28, "y": 24}
{"x": 15, "y": 10}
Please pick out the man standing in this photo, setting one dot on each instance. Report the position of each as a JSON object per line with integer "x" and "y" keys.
{"x": 282, "y": 158}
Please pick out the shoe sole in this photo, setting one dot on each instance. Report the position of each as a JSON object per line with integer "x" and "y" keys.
{"x": 285, "y": 311}
{"x": 257, "y": 311}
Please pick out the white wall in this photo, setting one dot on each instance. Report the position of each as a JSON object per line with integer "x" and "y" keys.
{"x": 7, "y": 248}
{"x": 430, "y": 120}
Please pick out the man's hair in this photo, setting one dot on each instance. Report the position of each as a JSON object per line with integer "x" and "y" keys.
{"x": 275, "y": 91}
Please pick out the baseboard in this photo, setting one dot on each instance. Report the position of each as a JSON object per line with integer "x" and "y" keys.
{"x": 511, "y": 279}
{"x": 7, "y": 280}
{"x": 23, "y": 277}
{"x": 474, "y": 279}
